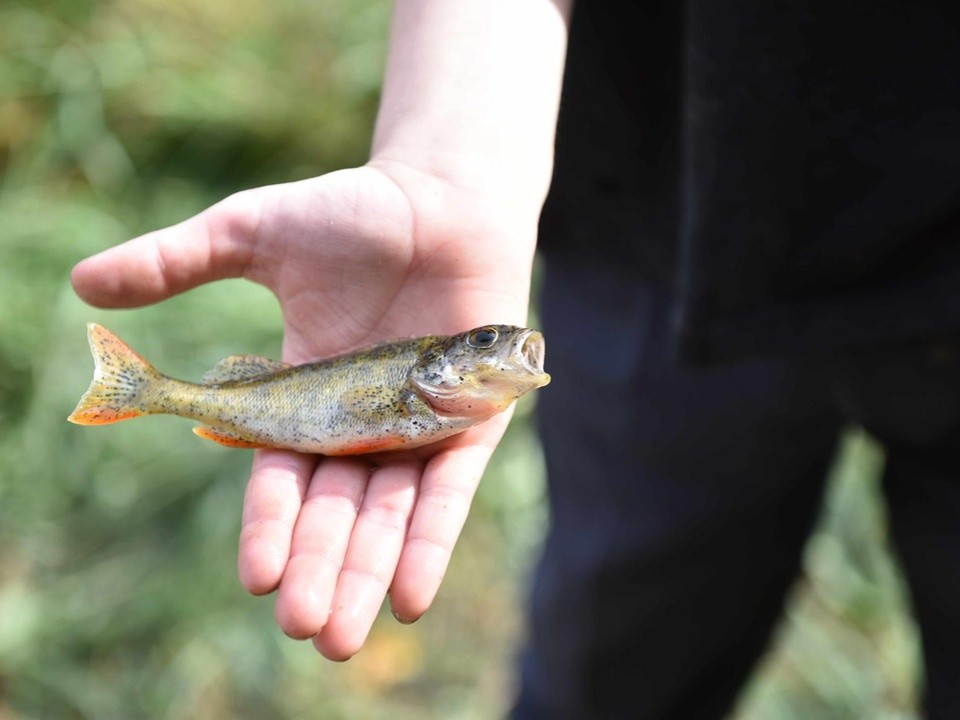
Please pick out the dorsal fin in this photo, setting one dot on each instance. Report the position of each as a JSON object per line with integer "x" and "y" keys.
{"x": 241, "y": 367}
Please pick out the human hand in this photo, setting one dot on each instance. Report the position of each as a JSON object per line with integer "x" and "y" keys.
{"x": 354, "y": 257}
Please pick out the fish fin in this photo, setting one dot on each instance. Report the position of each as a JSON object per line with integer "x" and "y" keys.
{"x": 412, "y": 404}
{"x": 241, "y": 367}
{"x": 225, "y": 438}
{"x": 371, "y": 445}
{"x": 120, "y": 377}
{"x": 372, "y": 399}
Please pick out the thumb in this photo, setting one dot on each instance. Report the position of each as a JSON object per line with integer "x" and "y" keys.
{"x": 218, "y": 243}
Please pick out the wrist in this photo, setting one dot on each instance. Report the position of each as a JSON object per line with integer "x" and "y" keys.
{"x": 465, "y": 201}
{"x": 513, "y": 188}
{"x": 470, "y": 97}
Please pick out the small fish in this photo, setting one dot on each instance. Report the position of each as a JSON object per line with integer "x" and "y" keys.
{"x": 393, "y": 396}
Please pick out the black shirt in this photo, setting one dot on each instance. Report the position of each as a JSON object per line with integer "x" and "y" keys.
{"x": 789, "y": 171}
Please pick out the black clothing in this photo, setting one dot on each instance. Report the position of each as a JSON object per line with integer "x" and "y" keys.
{"x": 790, "y": 170}
{"x": 681, "y": 499}
{"x": 774, "y": 184}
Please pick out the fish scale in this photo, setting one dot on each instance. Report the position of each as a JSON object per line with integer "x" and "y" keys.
{"x": 387, "y": 397}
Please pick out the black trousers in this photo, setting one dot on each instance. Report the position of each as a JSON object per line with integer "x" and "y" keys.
{"x": 681, "y": 500}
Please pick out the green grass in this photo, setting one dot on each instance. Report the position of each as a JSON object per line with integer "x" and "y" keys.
{"x": 118, "y": 589}
{"x": 847, "y": 646}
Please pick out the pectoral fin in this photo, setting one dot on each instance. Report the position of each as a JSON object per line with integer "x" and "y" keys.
{"x": 371, "y": 400}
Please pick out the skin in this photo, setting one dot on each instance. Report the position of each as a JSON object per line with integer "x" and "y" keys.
{"x": 447, "y": 208}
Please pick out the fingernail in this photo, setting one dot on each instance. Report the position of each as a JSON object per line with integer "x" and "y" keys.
{"x": 403, "y": 620}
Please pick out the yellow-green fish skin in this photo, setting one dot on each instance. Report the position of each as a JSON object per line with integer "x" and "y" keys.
{"x": 392, "y": 396}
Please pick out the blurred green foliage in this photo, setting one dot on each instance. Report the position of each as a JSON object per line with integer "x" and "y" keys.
{"x": 118, "y": 596}
{"x": 847, "y": 647}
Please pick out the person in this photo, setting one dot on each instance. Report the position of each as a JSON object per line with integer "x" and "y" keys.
{"x": 746, "y": 243}
{"x": 436, "y": 233}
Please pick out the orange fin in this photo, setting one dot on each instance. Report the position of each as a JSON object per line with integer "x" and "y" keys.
{"x": 241, "y": 367}
{"x": 225, "y": 438}
{"x": 100, "y": 415}
{"x": 361, "y": 447}
{"x": 120, "y": 377}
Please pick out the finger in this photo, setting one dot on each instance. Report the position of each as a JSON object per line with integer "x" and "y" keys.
{"x": 213, "y": 245}
{"x": 278, "y": 483}
{"x": 319, "y": 545}
{"x": 371, "y": 558}
{"x": 446, "y": 491}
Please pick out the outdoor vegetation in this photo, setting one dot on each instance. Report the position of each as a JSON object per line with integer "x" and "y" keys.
{"x": 118, "y": 589}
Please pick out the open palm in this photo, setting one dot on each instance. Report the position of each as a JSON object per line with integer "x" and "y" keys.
{"x": 354, "y": 257}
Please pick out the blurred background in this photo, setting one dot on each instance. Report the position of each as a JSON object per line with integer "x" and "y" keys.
{"x": 118, "y": 589}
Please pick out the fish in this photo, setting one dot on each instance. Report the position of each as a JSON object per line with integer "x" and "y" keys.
{"x": 393, "y": 396}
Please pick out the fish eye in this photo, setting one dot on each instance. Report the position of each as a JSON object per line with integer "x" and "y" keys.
{"x": 482, "y": 338}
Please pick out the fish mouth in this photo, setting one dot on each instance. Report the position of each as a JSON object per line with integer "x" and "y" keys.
{"x": 530, "y": 351}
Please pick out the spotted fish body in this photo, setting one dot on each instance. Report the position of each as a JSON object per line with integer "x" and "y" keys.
{"x": 393, "y": 396}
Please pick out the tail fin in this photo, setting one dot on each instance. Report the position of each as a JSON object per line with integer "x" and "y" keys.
{"x": 119, "y": 378}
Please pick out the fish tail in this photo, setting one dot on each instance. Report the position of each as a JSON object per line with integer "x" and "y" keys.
{"x": 120, "y": 381}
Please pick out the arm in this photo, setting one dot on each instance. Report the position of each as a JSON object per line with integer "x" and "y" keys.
{"x": 471, "y": 94}
{"x": 435, "y": 234}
